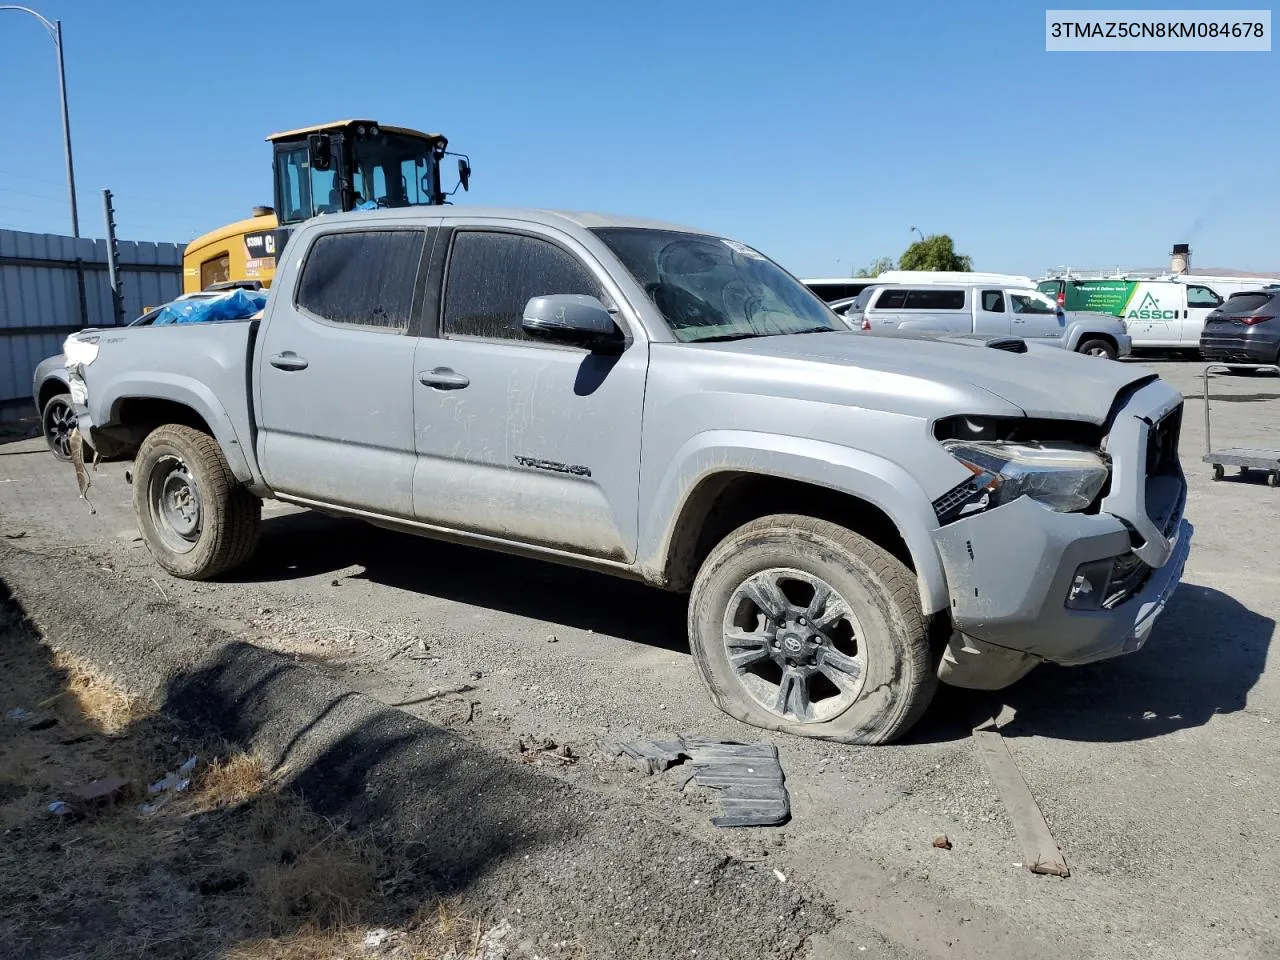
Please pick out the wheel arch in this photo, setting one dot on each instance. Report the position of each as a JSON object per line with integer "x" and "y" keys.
{"x": 725, "y": 483}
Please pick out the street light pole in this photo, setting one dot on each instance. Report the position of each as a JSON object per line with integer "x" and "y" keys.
{"x": 55, "y": 32}
{"x": 916, "y": 229}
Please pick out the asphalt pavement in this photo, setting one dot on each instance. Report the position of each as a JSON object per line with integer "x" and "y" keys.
{"x": 1157, "y": 773}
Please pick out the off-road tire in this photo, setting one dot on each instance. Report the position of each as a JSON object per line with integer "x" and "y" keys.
{"x": 231, "y": 515}
{"x": 1097, "y": 347}
{"x": 901, "y": 669}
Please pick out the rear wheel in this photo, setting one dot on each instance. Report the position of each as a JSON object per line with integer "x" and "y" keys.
{"x": 1096, "y": 347}
{"x": 803, "y": 626}
{"x": 1273, "y": 478}
{"x": 195, "y": 518}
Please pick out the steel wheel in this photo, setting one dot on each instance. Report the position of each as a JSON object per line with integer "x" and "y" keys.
{"x": 174, "y": 500}
{"x": 59, "y": 420}
{"x": 793, "y": 643}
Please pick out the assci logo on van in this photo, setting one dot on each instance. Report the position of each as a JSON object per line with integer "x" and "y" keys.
{"x": 1149, "y": 309}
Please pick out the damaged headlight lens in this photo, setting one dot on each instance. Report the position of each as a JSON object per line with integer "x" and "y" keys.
{"x": 1063, "y": 476}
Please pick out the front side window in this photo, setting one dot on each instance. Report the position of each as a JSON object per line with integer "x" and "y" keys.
{"x": 493, "y": 275}
{"x": 934, "y": 300}
{"x": 1198, "y": 296}
{"x": 1031, "y": 302}
{"x": 365, "y": 278}
{"x": 708, "y": 288}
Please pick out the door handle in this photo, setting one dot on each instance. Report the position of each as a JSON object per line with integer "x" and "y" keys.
{"x": 442, "y": 378}
{"x": 288, "y": 361}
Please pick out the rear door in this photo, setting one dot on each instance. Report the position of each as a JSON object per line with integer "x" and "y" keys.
{"x": 939, "y": 308}
{"x": 334, "y": 373}
{"x": 1034, "y": 315}
{"x": 525, "y": 440}
{"x": 991, "y": 312}
{"x": 1201, "y": 301}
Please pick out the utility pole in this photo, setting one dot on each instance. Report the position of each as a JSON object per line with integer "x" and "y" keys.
{"x": 113, "y": 260}
{"x": 55, "y": 33}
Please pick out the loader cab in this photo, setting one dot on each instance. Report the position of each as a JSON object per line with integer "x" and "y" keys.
{"x": 356, "y": 164}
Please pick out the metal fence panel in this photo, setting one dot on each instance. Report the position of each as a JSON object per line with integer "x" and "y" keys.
{"x": 40, "y": 297}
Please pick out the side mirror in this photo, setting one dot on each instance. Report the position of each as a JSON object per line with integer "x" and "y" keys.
{"x": 575, "y": 319}
{"x": 318, "y": 151}
{"x": 464, "y": 173}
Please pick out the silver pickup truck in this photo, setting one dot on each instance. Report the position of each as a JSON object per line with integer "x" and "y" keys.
{"x": 853, "y": 520}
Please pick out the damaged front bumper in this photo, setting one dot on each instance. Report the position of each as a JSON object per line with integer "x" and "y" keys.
{"x": 1030, "y": 585}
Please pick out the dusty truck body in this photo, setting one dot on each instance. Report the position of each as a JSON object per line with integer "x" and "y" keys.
{"x": 853, "y": 521}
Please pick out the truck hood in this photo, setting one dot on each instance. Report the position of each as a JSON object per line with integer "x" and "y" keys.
{"x": 1045, "y": 382}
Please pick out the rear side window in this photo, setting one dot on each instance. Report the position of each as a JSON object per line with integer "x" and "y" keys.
{"x": 993, "y": 301}
{"x": 935, "y": 300}
{"x": 1202, "y": 297}
{"x": 1245, "y": 303}
{"x": 891, "y": 300}
{"x": 363, "y": 278}
{"x": 493, "y": 275}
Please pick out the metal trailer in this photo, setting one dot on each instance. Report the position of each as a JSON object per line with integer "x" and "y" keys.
{"x": 1246, "y": 458}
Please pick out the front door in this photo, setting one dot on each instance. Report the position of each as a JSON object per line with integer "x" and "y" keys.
{"x": 1035, "y": 316}
{"x": 334, "y": 378}
{"x": 520, "y": 439}
{"x": 1201, "y": 301}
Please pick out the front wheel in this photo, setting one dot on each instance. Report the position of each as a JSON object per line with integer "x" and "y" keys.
{"x": 1095, "y": 347}
{"x": 195, "y": 518}
{"x": 803, "y": 626}
{"x": 58, "y": 420}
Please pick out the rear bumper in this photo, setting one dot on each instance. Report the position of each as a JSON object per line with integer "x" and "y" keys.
{"x": 1239, "y": 349}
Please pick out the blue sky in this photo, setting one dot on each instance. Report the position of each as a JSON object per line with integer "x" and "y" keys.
{"x": 819, "y": 132}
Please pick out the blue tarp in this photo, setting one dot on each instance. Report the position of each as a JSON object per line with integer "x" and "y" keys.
{"x": 237, "y": 305}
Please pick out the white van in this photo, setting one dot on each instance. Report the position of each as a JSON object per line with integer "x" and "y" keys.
{"x": 1158, "y": 311}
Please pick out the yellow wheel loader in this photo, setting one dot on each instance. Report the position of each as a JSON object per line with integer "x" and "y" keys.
{"x": 331, "y": 167}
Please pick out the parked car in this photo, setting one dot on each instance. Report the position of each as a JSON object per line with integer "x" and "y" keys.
{"x": 52, "y": 392}
{"x": 996, "y": 306}
{"x": 1245, "y": 329}
{"x": 853, "y": 521}
{"x": 838, "y": 288}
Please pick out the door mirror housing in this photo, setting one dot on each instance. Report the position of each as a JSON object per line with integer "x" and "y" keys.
{"x": 464, "y": 173}
{"x": 573, "y": 318}
{"x": 318, "y": 152}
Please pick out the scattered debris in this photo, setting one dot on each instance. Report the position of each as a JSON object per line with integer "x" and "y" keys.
{"x": 178, "y": 781}
{"x": 942, "y": 842}
{"x": 376, "y": 938}
{"x": 161, "y": 589}
{"x": 15, "y": 536}
{"x": 552, "y": 638}
{"x": 82, "y": 472}
{"x": 334, "y": 583}
{"x": 1040, "y": 851}
{"x": 749, "y": 776}
{"x": 476, "y": 675}
{"x": 108, "y": 789}
{"x": 544, "y": 748}
{"x": 60, "y": 808}
{"x": 782, "y": 877}
{"x": 17, "y": 715}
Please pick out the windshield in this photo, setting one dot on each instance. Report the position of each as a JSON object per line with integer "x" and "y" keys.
{"x": 707, "y": 288}
{"x": 392, "y": 170}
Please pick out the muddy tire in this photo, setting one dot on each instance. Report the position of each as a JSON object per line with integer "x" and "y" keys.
{"x": 1103, "y": 349}
{"x": 195, "y": 517}
{"x": 802, "y": 626}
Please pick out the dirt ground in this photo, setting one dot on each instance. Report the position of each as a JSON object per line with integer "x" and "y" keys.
{"x": 230, "y": 865}
{"x": 1157, "y": 772}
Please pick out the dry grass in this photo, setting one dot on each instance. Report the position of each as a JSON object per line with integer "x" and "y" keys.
{"x": 234, "y": 867}
{"x": 100, "y": 702}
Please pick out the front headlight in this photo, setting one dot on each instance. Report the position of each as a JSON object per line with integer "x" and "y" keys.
{"x": 1063, "y": 476}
